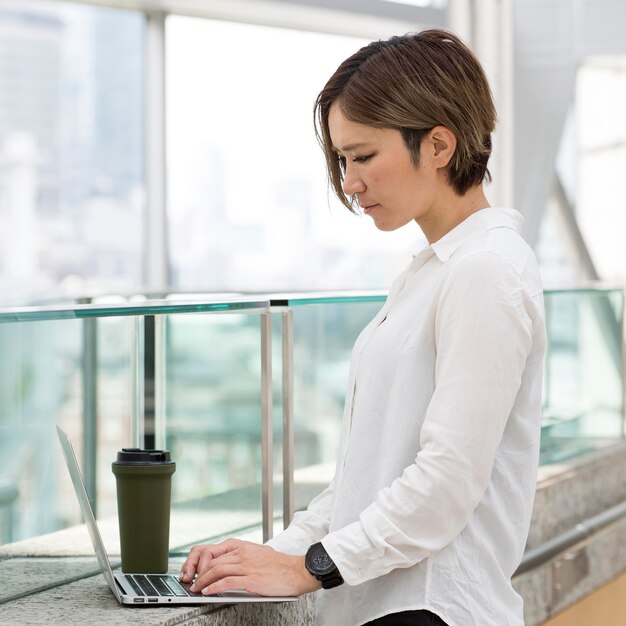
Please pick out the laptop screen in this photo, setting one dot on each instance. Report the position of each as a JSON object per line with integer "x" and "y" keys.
{"x": 85, "y": 506}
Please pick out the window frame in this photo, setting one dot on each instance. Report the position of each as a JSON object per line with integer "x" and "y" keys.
{"x": 364, "y": 18}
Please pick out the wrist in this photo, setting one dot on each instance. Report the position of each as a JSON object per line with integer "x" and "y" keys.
{"x": 307, "y": 582}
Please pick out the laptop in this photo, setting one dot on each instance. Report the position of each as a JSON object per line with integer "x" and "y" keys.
{"x": 144, "y": 589}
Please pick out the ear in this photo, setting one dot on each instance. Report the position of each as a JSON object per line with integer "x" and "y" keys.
{"x": 443, "y": 145}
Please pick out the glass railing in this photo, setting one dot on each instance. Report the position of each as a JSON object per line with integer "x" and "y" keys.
{"x": 109, "y": 373}
{"x": 324, "y": 328}
{"x": 583, "y": 406}
{"x": 246, "y": 392}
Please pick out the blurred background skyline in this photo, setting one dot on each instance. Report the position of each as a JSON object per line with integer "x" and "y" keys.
{"x": 247, "y": 204}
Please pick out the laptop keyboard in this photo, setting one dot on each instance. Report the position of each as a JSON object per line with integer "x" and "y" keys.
{"x": 156, "y": 585}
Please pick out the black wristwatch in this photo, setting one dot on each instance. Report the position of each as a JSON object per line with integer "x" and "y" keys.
{"x": 322, "y": 566}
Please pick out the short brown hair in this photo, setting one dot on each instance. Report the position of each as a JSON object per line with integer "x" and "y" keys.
{"x": 413, "y": 83}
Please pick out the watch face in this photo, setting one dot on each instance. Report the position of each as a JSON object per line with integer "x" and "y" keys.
{"x": 319, "y": 561}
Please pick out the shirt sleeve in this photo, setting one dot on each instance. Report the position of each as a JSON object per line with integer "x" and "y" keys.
{"x": 483, "y": 336}
{"x": 307, "y": 527}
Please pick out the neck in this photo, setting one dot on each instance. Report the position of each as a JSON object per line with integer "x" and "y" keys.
{"x": 450, "y": 210}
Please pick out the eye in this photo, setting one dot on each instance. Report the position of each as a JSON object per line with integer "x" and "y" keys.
{"x": 362, "y": 159}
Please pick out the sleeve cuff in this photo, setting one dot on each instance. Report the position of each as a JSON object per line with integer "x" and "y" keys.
{"x": 359, "y": 559}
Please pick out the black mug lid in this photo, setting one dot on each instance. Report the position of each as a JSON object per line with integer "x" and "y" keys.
{"x": 129, "y": 456}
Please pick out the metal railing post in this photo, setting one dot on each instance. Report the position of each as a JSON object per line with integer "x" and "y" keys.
{"x": 148, "y": 382}
{"x": 89, "y": 371}
{"x": 136, "y": 383}
{"x": 267, "y": 468}
{"x": 288, "y": 425}
{"x": 159, "y": 382}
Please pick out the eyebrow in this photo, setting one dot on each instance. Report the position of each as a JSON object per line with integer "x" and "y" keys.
{"x": 350, "y": 147}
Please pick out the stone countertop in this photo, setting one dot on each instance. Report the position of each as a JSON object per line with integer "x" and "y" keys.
{"x": 67, "y": 555}
{"x": 44, "y": 581}
{"x": 25, "y": 576}
{"x": 90, "y": 601}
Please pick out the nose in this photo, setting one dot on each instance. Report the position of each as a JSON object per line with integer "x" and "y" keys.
{"x": 352, "y": 183}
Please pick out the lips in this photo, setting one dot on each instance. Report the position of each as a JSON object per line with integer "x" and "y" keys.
{"x": 368, "y": 207}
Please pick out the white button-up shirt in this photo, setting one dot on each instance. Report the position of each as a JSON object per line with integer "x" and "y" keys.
{"x": 432, "y": 496}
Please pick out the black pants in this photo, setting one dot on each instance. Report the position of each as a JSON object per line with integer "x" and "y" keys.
{"x": 408, "y": 618}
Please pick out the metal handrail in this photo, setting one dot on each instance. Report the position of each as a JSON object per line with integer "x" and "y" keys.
{"x": 573, "y": 538}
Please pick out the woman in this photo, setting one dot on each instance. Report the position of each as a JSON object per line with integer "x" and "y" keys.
{"x": 426, "y": 518}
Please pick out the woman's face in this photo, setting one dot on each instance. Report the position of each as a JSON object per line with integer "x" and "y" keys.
{"x": 380, "y": 173}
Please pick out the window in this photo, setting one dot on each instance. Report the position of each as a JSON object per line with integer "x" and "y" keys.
{"x": 248, "y": 206}
{"x": 601, "y": 143}
{"x": 590, "y": 166}
{"x": 71, "y": 179}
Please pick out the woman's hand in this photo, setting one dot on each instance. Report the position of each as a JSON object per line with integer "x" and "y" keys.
{"x": 242, "y": 565}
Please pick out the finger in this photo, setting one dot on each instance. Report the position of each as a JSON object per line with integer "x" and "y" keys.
{"x": 190, "y": 567}
{"x": 229, "y": 545}
{"x": 217, "y": 573}
{"x": 206, "y": 563}
{"x": 217, "y": 551}
{"x": 200, "y": 556}
{"x": 228, "y": 583}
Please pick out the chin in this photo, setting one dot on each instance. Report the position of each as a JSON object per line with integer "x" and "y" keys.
{"x": 387, "y": 227}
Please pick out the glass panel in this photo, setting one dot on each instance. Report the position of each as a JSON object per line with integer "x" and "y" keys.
{"x": 323, "y": 340}
{"x": 583, "y": 392}
{"x": 49, "y": 370}
{"x": 583, "y": 388}
{"x": 213, "y": 428}
{"x": 40, "y": 385}
{"x": 249, "y": 208}
{"x": 114, "y": 345}
{"x": 71, "y": 147}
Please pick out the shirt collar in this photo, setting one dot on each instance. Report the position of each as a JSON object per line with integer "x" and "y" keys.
{"x": 476, "y": 224}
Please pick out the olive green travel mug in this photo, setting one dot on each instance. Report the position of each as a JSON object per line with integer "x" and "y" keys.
{"x": 144, "y": 487}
